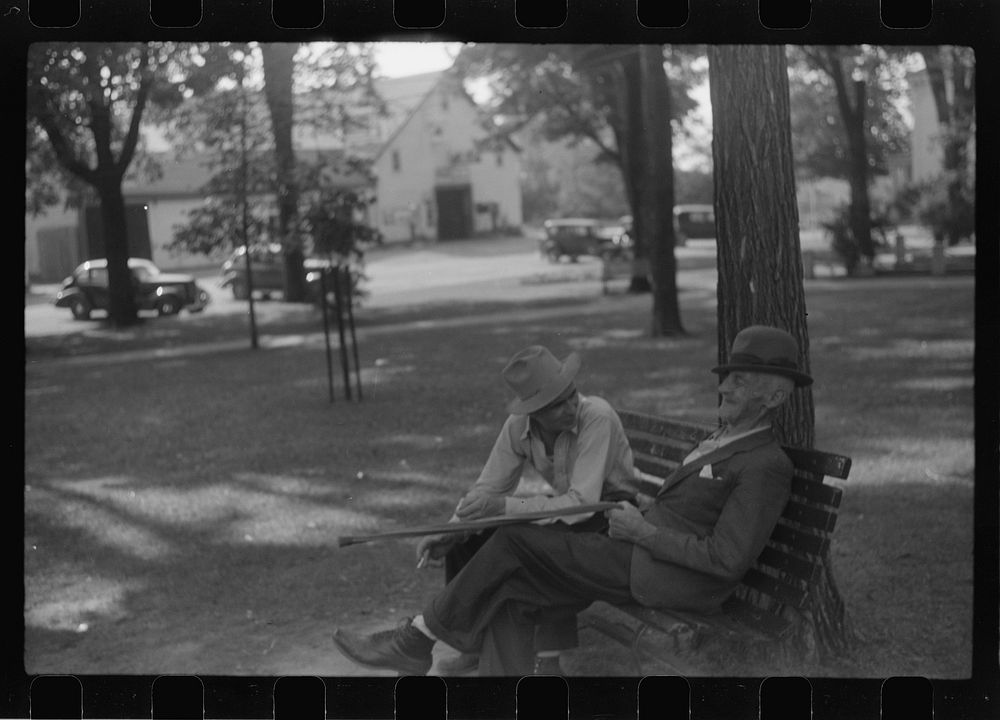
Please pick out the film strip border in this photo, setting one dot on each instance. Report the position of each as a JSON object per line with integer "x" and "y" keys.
{"x": 970, "y": 22}
{"x": 530, "y": 698}
{"x": 833, "y": 21}
{"x": 431, "y": 14}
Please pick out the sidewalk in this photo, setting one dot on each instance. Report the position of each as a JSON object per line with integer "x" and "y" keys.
{"x": 317, "y": 339}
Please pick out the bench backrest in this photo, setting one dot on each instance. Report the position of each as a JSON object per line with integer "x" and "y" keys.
{"x": 792, "y": 560}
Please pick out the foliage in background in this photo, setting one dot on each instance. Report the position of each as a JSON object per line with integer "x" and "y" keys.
{"x": 85, "y": 107}
{"x": 846, "y": 121}
{"x": 951, "y": 72}
{"x": 933, "y": 203}
{"x": 595, "y": 94}
{"x": 335, "y": 81}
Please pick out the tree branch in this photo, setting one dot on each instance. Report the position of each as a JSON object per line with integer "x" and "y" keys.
{"x": 61, "y": 146}
{"x": 132, "y": 137}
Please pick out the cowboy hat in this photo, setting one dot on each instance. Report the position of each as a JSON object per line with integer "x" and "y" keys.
{"x": 759, "y": 348}
{"x": 537, "y": 377}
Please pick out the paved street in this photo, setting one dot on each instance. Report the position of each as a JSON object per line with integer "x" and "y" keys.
{"x": 504, "y": 269}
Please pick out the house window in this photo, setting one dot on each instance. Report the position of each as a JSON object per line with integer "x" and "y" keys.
{"x": 395, "y": 161}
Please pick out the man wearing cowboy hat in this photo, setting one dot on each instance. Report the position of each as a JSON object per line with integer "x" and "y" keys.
{"x": 686, "y": 549}
{"x": 575, "y": 442}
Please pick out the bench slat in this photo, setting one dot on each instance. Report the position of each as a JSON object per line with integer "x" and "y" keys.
{"x": 664, "y": 427}
{"x": 800, "y": 539}
{"x": 800, "y": 568}
{"x": 819, "y": 462}
{"x": 817, "y": 492}
{"x": 779, "y": 589}
{"x": 810, "y": 516}
{"x": 659, "y": 447}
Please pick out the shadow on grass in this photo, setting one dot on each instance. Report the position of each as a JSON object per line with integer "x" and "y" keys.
{"x": 223, "y": 446}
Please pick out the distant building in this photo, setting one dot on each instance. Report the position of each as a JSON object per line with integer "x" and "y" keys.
{"x": 926, "y": 153}
{"x": 438, "y": 176}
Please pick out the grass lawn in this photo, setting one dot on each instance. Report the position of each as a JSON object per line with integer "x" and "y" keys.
{"x": 181, "y": 513}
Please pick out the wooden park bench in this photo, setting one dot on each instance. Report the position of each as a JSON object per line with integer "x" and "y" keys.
{"x": 772, "y": 594}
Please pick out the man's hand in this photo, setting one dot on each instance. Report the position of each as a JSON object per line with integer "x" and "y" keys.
{"x": 628, "y": 524}
{"x": 432, "y": 548}
{"x": 644, "y": 502}
{"x": 478, "y": 505}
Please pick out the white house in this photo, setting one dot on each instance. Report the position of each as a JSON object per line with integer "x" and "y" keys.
{"x": 438, "y": 176}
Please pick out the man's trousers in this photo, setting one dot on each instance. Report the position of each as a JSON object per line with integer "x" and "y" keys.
{"x": 522, "y": 576}
{"x": 559, "y": 634}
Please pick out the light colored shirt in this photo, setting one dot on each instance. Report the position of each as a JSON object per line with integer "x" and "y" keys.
{"x": 587, "y": 461}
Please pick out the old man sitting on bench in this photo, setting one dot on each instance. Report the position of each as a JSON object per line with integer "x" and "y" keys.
{"x": 685, "y": 549}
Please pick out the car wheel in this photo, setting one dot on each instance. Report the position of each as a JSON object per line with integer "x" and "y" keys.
{"x": 168, "y": 306}
{"x": 80, "y": 308}
{"x": 240, "y": 291}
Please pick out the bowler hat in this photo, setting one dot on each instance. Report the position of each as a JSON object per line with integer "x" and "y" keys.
{"x": 764, "y": 349}
{"x": 537, "y": 377}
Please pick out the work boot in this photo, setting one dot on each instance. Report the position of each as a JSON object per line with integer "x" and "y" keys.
{"x": 461, "y": 664}
{"x": 548, "y": 665}
{"x": 403, "y": 648}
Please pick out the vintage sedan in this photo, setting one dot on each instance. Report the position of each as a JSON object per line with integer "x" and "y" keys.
{"x": 573, "y": 237}
{"x": 86, "y": 289}
{"x": 267, "y": 271}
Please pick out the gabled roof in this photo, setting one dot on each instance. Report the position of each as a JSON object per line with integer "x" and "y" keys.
{"x": 403, "y": 95}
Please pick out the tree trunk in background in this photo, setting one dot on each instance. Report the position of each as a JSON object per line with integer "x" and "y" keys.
{"x": 759, "y": 257}
{"x": 956, "y": 119}
{"x": 656, "y": 192}
{"x": 122, "y": 309}
{"x": 632, "y": 149}
{"x": 853, "y": 115}
{"x": 278, "y": 66}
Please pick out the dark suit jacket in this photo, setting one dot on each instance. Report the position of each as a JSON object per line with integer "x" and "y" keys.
{"x": 711, "y": 530}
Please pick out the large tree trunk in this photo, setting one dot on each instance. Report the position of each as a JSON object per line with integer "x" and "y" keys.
{"x": 760, "y": 266}
{"x": 278, "y": 66}
{"x": 657, "y": 192}
{"x": 122, "y": 311}
{"x": 107, "y": 181}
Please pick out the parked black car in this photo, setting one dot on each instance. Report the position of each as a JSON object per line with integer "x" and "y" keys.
{"x": 86, "y": 289}
{"x": 574, "y": 237}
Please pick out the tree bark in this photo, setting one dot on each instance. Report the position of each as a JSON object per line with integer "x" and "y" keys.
{"x": 631, "y": 148}
{"x": 759, "y": 256}
{"x": 107, "y": 181}
{"x": 656, "y": 192}
{"x": 279, "y": 64}
{"x": 853, "y": 116}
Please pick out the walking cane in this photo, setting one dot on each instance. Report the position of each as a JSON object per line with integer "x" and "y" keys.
{"x": 477, "y": 525}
